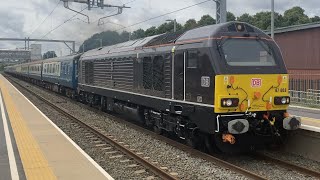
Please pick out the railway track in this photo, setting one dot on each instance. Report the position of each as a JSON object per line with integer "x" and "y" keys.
{"x": 178, "y": 145}
{"x": 109, "y": 143}
{"x": 288, "y": 165}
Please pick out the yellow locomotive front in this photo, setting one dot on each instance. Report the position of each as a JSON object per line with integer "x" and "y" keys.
{"x": 251, "y": 93}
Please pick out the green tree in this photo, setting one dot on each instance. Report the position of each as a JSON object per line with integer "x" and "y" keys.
{"x": 295, "y": 16}
{"x": 108, "y": 38}
{"x": 246, "y": 18}
{"x": 263, "y": 20}
{"x": 206, "y": 20}
{"x": 151, "y": 31}
{"x": 125, "y": 36}
{"x": 230, "y": 16}
{"x": 49, "y": 54}
{"x": 315, "y": 19}
{"x": 190, "y": 24}
{"x": 164, "y": 28}
{"x": 137, "y": 34}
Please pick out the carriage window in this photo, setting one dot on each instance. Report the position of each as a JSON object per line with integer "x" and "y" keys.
{"x": 158, "y": 75}
{"x": 192, "y": 59}
{"x": 147, "y": 73}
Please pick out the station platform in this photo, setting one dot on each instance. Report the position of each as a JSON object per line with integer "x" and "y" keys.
{"x": 310, "y": 117}
{"x": 33, "y": 147}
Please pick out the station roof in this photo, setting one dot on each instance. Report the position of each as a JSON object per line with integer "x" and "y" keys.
{"x": 296, "y": 28}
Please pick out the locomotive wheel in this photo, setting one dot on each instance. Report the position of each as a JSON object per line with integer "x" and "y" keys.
{"x": 192, "y": 139}
{"x": 210, "y": 145}
{"x": 157, "y": 130}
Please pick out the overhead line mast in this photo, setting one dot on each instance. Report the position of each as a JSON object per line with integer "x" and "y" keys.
{"x": 221, "y": 11}
{"x": 93, "y": 4}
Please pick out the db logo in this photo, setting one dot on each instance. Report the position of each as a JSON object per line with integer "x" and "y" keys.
{"x": 256, "y": 82}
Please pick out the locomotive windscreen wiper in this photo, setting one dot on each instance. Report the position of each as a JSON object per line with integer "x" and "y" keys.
{"x": 263, "y": 45}
{"x": 219, "y": 46}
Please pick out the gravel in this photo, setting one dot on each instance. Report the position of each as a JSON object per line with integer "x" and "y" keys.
{"x": 177, "y": 161}
{"x": 266, "y": 168}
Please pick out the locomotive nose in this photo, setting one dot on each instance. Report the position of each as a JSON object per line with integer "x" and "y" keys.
{"x": 292, "y": 123}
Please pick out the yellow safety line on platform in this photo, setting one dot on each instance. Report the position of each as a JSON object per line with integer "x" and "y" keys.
{"x": 34, "y": 162}
{"x": 310, "y": 119}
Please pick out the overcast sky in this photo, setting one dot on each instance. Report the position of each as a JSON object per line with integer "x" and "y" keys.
{"x": 22, "y": 18}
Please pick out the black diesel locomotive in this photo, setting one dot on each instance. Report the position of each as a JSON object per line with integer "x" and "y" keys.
{"x": 223, "y": 86}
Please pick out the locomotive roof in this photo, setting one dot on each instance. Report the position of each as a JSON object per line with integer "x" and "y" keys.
{"x": 62, "y": 58}
{"x": 125, "y": 46}
{"x": 201, "y": 33}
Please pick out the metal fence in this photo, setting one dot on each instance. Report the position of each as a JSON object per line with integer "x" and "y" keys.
{"x": 305, "y": 89}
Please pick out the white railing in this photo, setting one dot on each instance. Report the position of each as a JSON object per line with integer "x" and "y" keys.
{"x": 305, "y": 89}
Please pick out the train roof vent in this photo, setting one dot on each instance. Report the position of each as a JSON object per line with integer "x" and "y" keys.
{"x": 164, "y": 39}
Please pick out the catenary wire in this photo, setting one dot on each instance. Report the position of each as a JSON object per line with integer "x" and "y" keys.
{"x": 187, "y": 7}
{"x": 62, "y": 23}
{"x": 46, "y": 18}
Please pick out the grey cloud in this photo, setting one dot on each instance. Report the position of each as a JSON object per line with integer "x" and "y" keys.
{"x": 12, "y": 24}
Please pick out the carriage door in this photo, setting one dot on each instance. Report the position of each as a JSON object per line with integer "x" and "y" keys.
{"x": 179, "y": 75}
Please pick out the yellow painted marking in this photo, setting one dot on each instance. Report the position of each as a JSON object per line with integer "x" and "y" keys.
{"x": 34, "y": 162}
{"x": 310, "y": 119}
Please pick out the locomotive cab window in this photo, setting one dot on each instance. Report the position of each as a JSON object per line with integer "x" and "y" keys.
{"x": 247, "y": 52}
{"x": 192, "y": 59}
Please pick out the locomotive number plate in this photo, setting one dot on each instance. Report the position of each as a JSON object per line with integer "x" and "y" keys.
{"x": 256, "y": 82}
{"x": 205, "y": 81}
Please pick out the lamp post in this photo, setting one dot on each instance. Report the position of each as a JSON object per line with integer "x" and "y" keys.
{"x": 272, "y": 19}
{"x": 174, "y": 24}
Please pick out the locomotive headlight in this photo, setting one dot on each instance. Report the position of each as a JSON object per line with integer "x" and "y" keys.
{"x": 282, "y": 100}
{"x": 229, "y": 102}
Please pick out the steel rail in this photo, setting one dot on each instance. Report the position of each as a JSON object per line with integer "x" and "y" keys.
{"x": 156, "y": 170}
{"x": 288, "y": 165}
{"x": 185, "y": 148}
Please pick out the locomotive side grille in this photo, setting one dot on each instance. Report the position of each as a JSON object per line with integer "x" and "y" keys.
{"x": 111, "y": 73}
{"x": 102, "y": 73}
{"x": 123, "y": 74}
{"x": 88, "y": 72}
{"x": 167, "y": 76}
